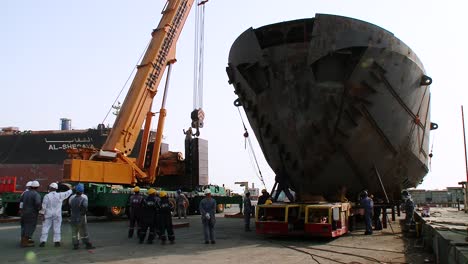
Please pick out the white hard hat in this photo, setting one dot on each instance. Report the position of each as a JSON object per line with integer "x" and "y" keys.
{"x": 53, "y": 185}
{"x": 207, "y": 191}
{"x": 35, "y": 184}
{"x": 29, "y": 184}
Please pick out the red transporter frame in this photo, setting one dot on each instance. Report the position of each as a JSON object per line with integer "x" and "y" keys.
{"x": 321, "y": 220}
{"x": 327, "y": 220}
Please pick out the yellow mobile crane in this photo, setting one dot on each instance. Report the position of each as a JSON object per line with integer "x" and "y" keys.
{"x": 111, "y": 164}
{"x": 106, "y": 169}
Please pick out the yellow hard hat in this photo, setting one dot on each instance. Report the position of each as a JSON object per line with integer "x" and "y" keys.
{"x": 136, "y": 189}
{"x": 162, "y": 194}
{"x": 268, "y": 201}
{"x": 151, "y": 191}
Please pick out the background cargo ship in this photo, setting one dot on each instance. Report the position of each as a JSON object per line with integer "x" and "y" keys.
{"x": 39, "y": 155}
{"x": 335, "y": 103}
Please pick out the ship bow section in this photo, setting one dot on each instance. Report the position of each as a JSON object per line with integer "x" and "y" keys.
{"x": 335, "y": 103}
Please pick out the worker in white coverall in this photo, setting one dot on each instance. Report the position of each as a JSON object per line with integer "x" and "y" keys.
{"x": 52, "y": 206}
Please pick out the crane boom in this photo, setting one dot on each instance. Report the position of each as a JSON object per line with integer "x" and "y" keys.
{"x": 113, "y": 165}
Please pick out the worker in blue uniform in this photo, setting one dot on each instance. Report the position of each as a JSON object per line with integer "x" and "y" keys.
{"x": 409, "y": 210}
{"x": 368, "y": 205}
{"x": 262, "y": 198}
{"x": 135, "y": 202}
{"x": 207, "y": 210}
{"x": 165, "y": 219}
{"x": 247, "y": 211}
{"x": 148, "y": 217}
{"x": 377, "y": 213}
{"x": 31, "y": 205}
{"x": 78, "y": 220}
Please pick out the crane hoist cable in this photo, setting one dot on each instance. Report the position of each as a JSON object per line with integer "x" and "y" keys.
{"x": 125, "y": 84}
{"x": 197, "y": 114}
{"x": 199, "y": 55}
{"x": 247, "y": 139}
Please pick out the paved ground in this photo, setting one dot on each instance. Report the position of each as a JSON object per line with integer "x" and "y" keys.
{"x": 445, "y": 231}
{"x": 233, "y": 246}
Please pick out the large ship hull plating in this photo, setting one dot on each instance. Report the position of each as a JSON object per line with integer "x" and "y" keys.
{"x": 335, "y": 103}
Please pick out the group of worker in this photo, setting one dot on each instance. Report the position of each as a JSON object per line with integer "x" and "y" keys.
{"x": 51, "y": 209}
{"x": 372, "y": 214}
{"x": 153, "y": 215}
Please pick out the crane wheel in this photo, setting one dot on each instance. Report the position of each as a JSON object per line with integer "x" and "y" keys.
{"x": 115, "y": 211}
{"x": 220, "y": 208}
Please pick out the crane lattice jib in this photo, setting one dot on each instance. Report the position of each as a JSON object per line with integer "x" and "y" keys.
{"x": 160, "y": 53}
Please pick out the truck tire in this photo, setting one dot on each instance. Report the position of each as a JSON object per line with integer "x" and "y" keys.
{"x": 11, "y": 209}
{"x": 219, "y": 208}
{"x": 115, "y": 212}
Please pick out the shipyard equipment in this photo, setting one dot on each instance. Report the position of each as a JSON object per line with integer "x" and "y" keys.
{"x": 107, "y": 170}
{"x": 111, "y": 164}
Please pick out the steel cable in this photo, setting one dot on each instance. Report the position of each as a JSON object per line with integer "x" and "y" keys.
{"x": 247, "y": 138}
{"x": 125, "y": 84}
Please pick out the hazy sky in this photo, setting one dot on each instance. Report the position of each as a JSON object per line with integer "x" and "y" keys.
{"x": 71, "y": 58}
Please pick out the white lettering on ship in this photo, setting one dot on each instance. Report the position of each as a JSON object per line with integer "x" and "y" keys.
{"x": 69, "y": 146}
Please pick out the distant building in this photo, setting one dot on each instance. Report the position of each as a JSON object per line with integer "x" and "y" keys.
{"x": 456, "y": 194}
{"x": 449, "y": 195}
{"x": 419, "y": 196}
{"x": 439, "y": 197}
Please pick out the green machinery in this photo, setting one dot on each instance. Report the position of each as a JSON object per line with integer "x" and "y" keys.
{"x": 112, "y": 201}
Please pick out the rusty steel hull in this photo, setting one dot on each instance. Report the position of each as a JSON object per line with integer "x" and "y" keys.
{"x": 334, "y": 102}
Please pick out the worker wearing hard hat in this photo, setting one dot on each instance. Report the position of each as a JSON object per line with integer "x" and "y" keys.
{"x": 368, "y": 205}
{"x": 165, "y": 219}
{"x": 207, "y": 210}
{"x": 31, "y": 206}
{"x": 409, "y": 210}
{"x": 135, "y": 201}
{"x": 247, "y": 211}
{"x": 52, "y": 206}
{"x": 148, "y": 217}
{"x": 79, "y": 223}
{"x": 262, "y": 198}
{"x": 28, "y": 186}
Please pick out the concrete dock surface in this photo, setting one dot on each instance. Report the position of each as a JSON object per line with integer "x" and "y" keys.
{"x": 445, "y": 232}
{"x": 233, "y": 245}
